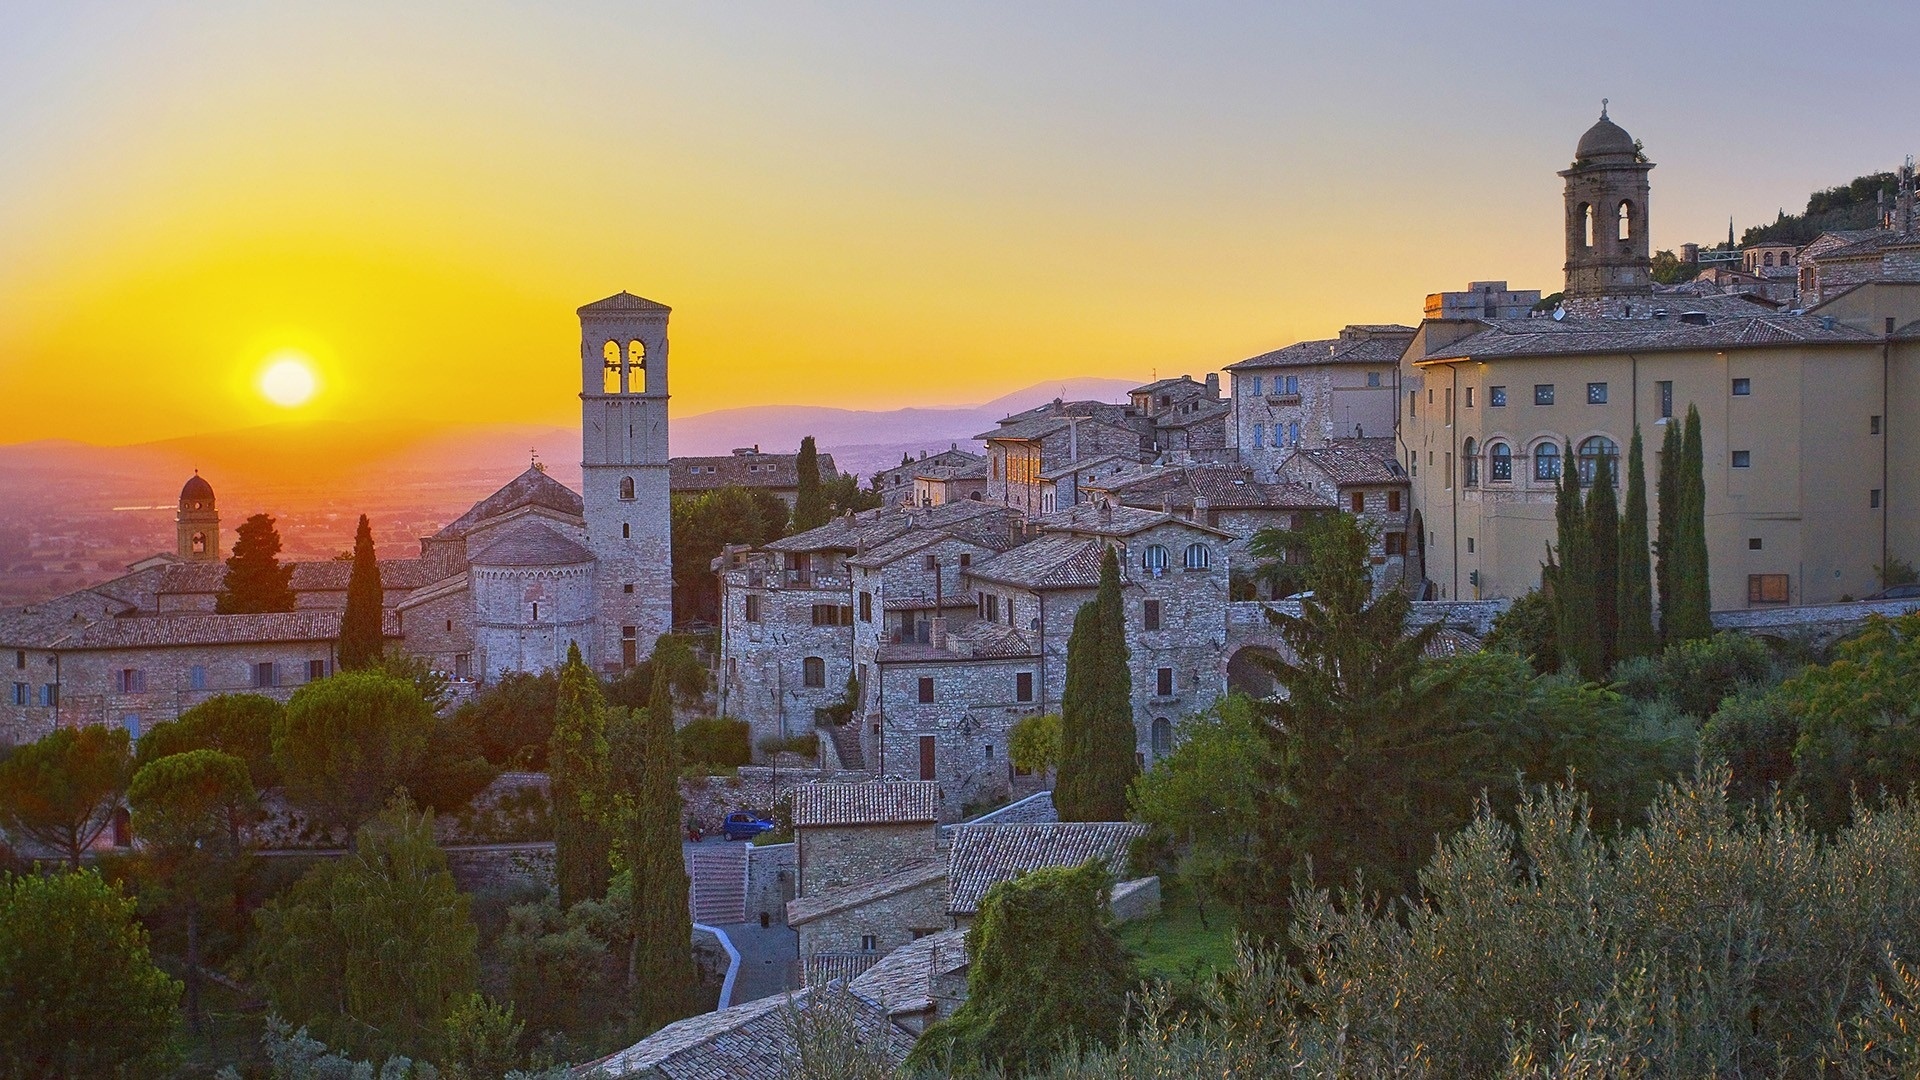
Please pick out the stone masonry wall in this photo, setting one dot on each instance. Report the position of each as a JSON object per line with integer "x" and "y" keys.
{"x": 831, "y": 858}
{"x": 770, "y": 881}
{"x": 891, "y": 921}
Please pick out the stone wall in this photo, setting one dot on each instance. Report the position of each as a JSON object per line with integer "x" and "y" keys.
{"x": 497, "y": 865}
{"x": 771, "y": 882}
{"x": 838, "y": 856}
{"x": 709, "y": 799}
{"x": 1136, "y": 899}
{"x": 891, "y": 921}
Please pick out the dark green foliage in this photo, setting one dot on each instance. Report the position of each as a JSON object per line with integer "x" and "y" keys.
{"x": 1097, "y": 738}
{"x": 1635, "y": 594}
{"x": 1203, "y": 800}
{"x": 1045, "y": 970}
{"x": 452, "y": 772}
{"x": 716, "y": 742}
{"x": 361, "y": 641}
{"x": 1603, "y": 553}
{"x": 1360, "y": 759}
{"x": 1695, "y": 676}
{"x": 80, "y": 996}
{"x": 510, "y": 722}
{"x": 61, "y": 791}
{"x": 1527, "y": 629}
{"x": 1854, "y": 205}
{"x": 1571, "y": 574}
{"x": 565, "y": 969}
{"x": 1280, "y": 562}
{"x": 237, "y": 724}
{"x": 373, "y": 950}
{"x": 1754, "y": 733}
{"x": 345, "y": 744}
{"x": 577, "y": 766}
{"x": 1033, "y": 743}
{"x": 1667, "y": 269}
{"x": 844, "y": 493}
{"x": 1667, "y": 536}
{"x": 810, "y": 506}
{"x": 673, "y": 654}
{"x": 482, "y": 1040}
{"x": 705, "y": 523}
{"x": 1860, "y": 720}
{"x": 1690, "y": 617}
{"x": 256, "y": 580}
{"x": 647, "y": 813}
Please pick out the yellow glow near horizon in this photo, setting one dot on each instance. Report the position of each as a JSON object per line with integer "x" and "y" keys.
{"x": 289, "y": 381}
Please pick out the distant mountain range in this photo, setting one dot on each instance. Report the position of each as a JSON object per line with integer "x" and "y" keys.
{"x": 329, "y": 461}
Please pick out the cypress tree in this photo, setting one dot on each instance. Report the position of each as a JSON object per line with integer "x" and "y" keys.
{"x": 1635, "y": 605}
{"x": 1691, "y": 618}
{"x": 1603, "y": 553}
{"x": 1663, "y": 546}
{"x": 810, "y": 506}
{"x": 1573, "y": 599}
{"x": 360, "y": 640}
{"x": 646, "y": 774}
{"x": 577, "y": 777}
{"x": 1097, "y": 739}
{"x": 255, "y": 580}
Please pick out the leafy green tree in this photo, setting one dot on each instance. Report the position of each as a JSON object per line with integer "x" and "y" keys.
{"x": 577, "y": 770}
{"x": 1097, "y": 737}
{"x": 80, "y": 996}
{"x": 237, "y": 724}
{"x": 190, "y": 812}
{"x": 483, "y": 1040}
{"x": 565, "y": 968}
{"x": 1361, "y": 762}
{"x": 646, "y": 812}
{"x": 1527, "y": 628}
{"x": 844, "y": 493}
{"x": 1696, "y": 676}
{"x": 715, "y": 742}
{"x": 1044, "y": 970}
{"x": 1572, "y": 572}
{"x": 361, "y": 640}
{"x": 1634, "y": 606}
{"x": 62, "y": 790}
{"x": 510, "y": 721}
{"x": 1667, "y": 539}
{"x": 1754, "y": 732}
{"x": 1203, "y": 800}
{"x": 373, "y": 950}
{"x": 345, "y": 744}
{"x": 1691, "y": 616}
{"x": 810, "y": 506}
{"x": 1603, "y": 551}
{"x": 1033, "y": 743}
{"x": 256, "y": 580}
{"x": 1280, "y": 557}
{"x": 1859, "y": 720}
{"x": 705, "y": 523}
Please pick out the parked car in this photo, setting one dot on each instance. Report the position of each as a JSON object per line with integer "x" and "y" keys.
{"x": 741, "y": 825}
{"x": 1898, "y": 592}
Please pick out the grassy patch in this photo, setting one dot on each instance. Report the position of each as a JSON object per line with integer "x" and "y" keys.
{"x": 1175, "y": 945}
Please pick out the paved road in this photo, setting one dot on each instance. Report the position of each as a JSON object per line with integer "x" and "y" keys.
{"x": 766, "y": 959}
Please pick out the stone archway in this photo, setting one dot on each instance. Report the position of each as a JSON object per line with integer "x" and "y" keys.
{"x": 1247, "y": 674}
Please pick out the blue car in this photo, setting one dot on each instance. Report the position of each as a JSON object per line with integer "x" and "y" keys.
{"x": 741, "y": 825}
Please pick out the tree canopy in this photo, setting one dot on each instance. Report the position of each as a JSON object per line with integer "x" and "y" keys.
{"x": 237, "y": 724}
{"x": 346, "y": 743}
{"x": 256, "y": 580}
{"x": 811, "y": 508}
{"x": 62, "y": 790}
{"x": 579, "y": 785}
{"x": 361, "y": 640}
{"x": 1097, "y": 738}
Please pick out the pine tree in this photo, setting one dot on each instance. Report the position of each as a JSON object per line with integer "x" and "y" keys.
{"x": 577, "y": 770}
{"x": 646, "y": 774}
{"x": 1603, "y": 553}
{"x": 1635, "y": 604}
{"x": 360, "y": 639}
{"x": 1663, "y": 547}
{"x": 1097, "y": 738}
{"x": 256, "y": 581}
{"x": 1691, "y": 618}
{"x": 1572, "y": 572}
{"x": 810, "y": 506}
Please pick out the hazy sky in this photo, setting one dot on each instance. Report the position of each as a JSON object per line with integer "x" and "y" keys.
{"x": 858, "y": 204}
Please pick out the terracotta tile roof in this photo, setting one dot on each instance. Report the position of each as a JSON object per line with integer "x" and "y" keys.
{"x": 1224, "y": 487}
{"x": 1051, "y": 562}
{"x": 972, "y": 470}
{"x": 778, "y": 471}
{"x": 867, "y": 802}
{"x": 806, "y": 909}
{"x": 530, "y": 488}
{"x": 530, "y": 543}
{"x": 1570, "y": 337}
{"x": 872, "y": 528}
{"x": 1105, "y": 463}
{"x": 1091, "y": 519}
{"x": 753, "y": 1041}
{"x": 982, "y": 856}
{"x": 902, "y": 981}
{"x": 1205, "y": 414}
{"x": 1187, "y": 382}
{"x": 199, "y": 628}
{"x": 991, "y": 641}
{"x": 1046, "y": 419}
{"x": 1450, "y": 642}
{"x": 1373, "y": 344}
{"x": 1355, "y": 461}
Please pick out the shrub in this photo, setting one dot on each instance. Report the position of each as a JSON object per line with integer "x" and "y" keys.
{"x": 717, "y": 742}
{"x": 1697, "y": 675}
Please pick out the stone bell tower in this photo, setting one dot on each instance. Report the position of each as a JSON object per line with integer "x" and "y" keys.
{"x": 197, "y": 523}
{"x": 623, "y": 475}
{"x": 1607, "y": 253}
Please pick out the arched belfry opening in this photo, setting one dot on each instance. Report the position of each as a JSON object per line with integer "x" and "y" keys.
{"x": 1586, "y": 226}
{"x": 636, "y": 367}
{"x": 1623, "y": 221}
{"x": 610, "y": 370}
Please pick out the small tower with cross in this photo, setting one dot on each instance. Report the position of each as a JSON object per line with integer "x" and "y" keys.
{"x": 1606, "y": 208}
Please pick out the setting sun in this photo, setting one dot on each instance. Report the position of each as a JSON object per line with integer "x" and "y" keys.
{"x": 288, "y": 382}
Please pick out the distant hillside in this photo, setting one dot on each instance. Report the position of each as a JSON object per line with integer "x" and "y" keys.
{"x": 1853, "y": 205}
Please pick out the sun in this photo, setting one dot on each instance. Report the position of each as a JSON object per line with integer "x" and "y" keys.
{"x": 288, "y": 381}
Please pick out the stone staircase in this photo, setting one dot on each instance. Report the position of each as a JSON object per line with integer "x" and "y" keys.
{"x": 717, "y": 874}
{"x": 846, "y": 746}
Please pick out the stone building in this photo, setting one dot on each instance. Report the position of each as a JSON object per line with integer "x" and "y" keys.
{"x": 896, "y": 485}
{"x": 1311, "y": 392}
{"x": 1608, "y": 266}
{"x": 868, "y": 872}
{"x": 1363, "y": 478}
{"x": 1483, "y": 300}
{"x": 746, "y": 467}
{"x": 937, "y": 484}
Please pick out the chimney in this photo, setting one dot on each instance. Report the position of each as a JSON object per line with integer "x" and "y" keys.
{"x": 1213, "y": 386}
{"x": 1106, "y": 511}
{"x": 937, "y": 634}
{"x": 1200, "y": 508}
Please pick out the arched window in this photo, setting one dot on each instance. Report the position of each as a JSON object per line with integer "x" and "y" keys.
{"x": 1470, "y": 461}
{"x": 813, "y": 672}
{"x": 1546, "y": 462}
{"x": 1767, "y": 259}
{"x": 1624, "y": 221}
{"x": 1500, "y": 463}
{"x": 1586, "y": 225}
{"x": 1154, "y": 559}
{"x": 626, "y": 487}
{"x": 1198, "y": 556}
{"x": 636, "y": 367}
{"x": 1162, "y": 736}
{"x": 199, "y": 543}
{"x": 610, "y": 371}
{"x": 1595, "y": 450}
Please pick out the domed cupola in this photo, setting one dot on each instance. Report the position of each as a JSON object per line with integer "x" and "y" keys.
{"x": 197, "y": 494}
{"x": 1605, "y": 139}
{"x": 197, "y": 522}
{"x": 1608, "y": 254}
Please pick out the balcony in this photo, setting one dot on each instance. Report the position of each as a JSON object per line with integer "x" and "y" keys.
{"x": 1283, "y": 399}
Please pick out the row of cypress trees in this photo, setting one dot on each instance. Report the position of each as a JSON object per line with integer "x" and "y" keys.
{"x": 1598, "y": 572}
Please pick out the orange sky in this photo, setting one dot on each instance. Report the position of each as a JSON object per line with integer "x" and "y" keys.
{"x": 862, "y": 206}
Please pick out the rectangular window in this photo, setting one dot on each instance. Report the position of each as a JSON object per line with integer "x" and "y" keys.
{"x": 1873, "y": 499}
{"x": 1469, "y": 545}
{"x": 1543, "y": 393}
{"x": 316, "y": 670}
{"x": 463, "y": 665}
{"x": 1393, "y": 502}
{"x": 1873, "y": 425}
{"x": 966, "y": 559}
{"x": 1742, "y": 459}
{"x": 50, "y": 695}
{"x": 753, "y": 608}
{"x": 926, "y": 690}
{"x": 1373, "y": 378}
{"x": 1163, "y": 682}
{"x": 1358, "y": 501}
{"x": 1596, "y": 393}
{"x": 1449, "y": 468}
{"x": 826, "y": 615}
{"x": 868, "y": 943}
{"x": 628, "y": 587}
{"x": 20, "y": 693}
{"x": 1259, "y": 436}
{"x": 1753, "y": 543}
{"x": 130, "y": 681}
{"x": 1449, "y": 404}
{"x": 926, "y": 757}
{"x": 1742, "y": 387}
{"x": 866, "y": 607}
{"x": 1023, "y": 686}
{"x": 933, "y": 562}
{"x": 20, "y": 656}
{"x": 1469, "y": 397}
{"x": 1496, "y": 397}
{"x": 1411, "y": 398}
{"x": 1253, "y": 386}
{"x": 1150, "y": 615}
{"x": 1396, "y": 543}
{"x": 993, "y": 607}
{"x": 1665, "y": 390}
{"x": 1766, "y": 588}
{"x": 264, "y": 675}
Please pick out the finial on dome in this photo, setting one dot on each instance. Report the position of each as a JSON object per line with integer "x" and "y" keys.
{"x": 1603, "y": 108}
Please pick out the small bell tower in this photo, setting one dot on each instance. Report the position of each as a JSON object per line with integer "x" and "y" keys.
{"x": 1606, "y": 197}
{"x": 197, "y": 523}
